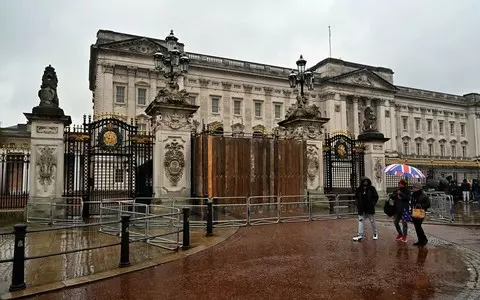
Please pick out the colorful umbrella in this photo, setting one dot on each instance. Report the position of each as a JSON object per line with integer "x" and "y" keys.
{"x": 402, "y": 170}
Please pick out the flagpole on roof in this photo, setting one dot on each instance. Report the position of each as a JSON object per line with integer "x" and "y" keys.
{"x": 330, "y": 41}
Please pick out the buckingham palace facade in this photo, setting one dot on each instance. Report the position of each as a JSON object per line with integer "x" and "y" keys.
{"x": 435, "y": 131}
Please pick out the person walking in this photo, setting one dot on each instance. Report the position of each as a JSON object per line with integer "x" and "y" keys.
{"x": 475, "y": 188}
{"x": 401, "y": 199}
{"x": 465, "y": 188}
{"x": 366, "y": 197}
{"x": 419, "y": 200}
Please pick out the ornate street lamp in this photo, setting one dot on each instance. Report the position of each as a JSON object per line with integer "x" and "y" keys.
{"x": 173, "y": 63}
{"x": 301, "y": 77}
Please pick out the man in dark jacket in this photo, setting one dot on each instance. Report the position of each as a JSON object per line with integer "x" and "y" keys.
{"x": 401, "y": 199}
{"x": 366, "y": 198}
{"x": 475, "y": 188}
{"x": 419, "y": 200}
{"x": 465, "y": 188}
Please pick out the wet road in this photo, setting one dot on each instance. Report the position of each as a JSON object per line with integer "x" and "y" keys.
{"x": 313, "y": 260}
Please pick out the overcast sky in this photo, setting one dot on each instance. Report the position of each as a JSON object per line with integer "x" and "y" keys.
{"x": 431, "y": 45}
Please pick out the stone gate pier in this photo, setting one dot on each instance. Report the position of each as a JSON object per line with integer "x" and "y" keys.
{"x": 47, "y": 148}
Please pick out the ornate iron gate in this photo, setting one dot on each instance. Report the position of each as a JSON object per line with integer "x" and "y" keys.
{"x": 343, "y": 164}
{"x": 104, "y": 159}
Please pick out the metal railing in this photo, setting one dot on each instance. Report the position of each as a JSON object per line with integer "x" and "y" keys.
{"x": 157, "y": 238}
{"x": 441, "y": 206}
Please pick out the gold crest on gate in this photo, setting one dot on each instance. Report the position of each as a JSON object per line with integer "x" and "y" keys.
{"x": 341, "y": 149}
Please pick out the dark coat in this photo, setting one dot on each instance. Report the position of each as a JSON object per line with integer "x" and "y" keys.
{"x": 465, "y": 187}
{"x": 420, "y": 198}
{"x": 366, "y": 204}
{"x": 401, "y": 199}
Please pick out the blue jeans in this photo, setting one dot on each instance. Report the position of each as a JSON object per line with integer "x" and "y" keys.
{"x": 475, "y": 195}
{"x": 361, "y": 226}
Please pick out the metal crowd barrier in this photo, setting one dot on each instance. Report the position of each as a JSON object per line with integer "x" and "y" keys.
{"x": 294, "y": 208}
{"x": 345, "y": 206}
{"x": 55, "y": 211}
{"x": 263, "y": 212}
{"x": 441, "y": 206}
{"x": 322, "y": 206}
{"x": 230, "y": 211}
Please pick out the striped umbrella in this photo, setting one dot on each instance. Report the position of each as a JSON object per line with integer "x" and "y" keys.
{"x": 402, "y": 170}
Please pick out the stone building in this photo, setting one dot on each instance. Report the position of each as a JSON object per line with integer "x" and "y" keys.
{"x": 435, "y": 131}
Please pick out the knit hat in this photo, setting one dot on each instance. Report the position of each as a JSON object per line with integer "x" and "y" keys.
{"x": 403, "y": 182}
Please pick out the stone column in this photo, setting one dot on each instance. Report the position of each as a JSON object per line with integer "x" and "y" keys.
{"x": 172, "y": 122}
{"x": 343, "y": 113}
{"x": 356, "y": 124}
{"x": 307, "y": 124}
{"x": 131, "y": 94}
{"x": 106, "y": 96}
{"x": 381, "y": 115}
{"x": 47, "y": 149}
{"x": 226, "y": 102}
{"x": 374, "y": 159}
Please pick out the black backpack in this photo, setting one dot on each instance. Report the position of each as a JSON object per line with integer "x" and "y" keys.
{"x": 389, "y": 209}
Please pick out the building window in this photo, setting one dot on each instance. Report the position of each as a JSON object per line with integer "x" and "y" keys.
{"x": 405, "y": 123}
{"x": 237, "y": 107}
{"x": 418, "y": 148}
{"x": 464, "y": 151}
{"x": 192, "y": 99}
{"x": 442, "y": 150}
{"x": 120, "y": 95}
{"x": 258, "y": 109}
{"x": 452, "y": 128}
{"x": 417, "y": 124}
{"x": 454, "y": 150}
{"x": 141, "y": 127}
{"x": 429, "y": 125}
{"x": 405, "y": 148}
{"x": 142, "y": 96}
{"x": 278, "y": 111}
{"x": 118, "y": 175}
{"x": 430, "y": 149}
{"x": 215, "y": 105}
{"x": 462, "y": 129}
{"x": 440, "y": 126}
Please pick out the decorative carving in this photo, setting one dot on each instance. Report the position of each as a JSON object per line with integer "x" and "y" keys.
{"x": 226, "y": 85}
{"x": 370, "y": 120}
{"x": 172, "y": 97}
{"x": 341, "y": 149}
{"x": 380, "y": 102}
{"x": 268, "y": 90}
{"x": 174, "y": 120}
{"x": 47, "y": 129}
{"x": 48, "y": 90}
{"x": 46, "y": 167}
{"x": 287, "y": 93}
{"x": 248, "y": 88}
{"x": 131, "y": 70}
{"x": 337, "y": 107}
{"x": 378, "y": 166}
{"x": 215, "y": 126}
{"x": 203, "y": 82}
{"x": 259, "y": 128}
{"x": 108, "y": 68}
{"x": 313, "y": 163}
{"x": 237, "y": 129}
{"x": 141, "y": 45}
{"x": 363, "y": 80}
{"x": 174, "y": 162}
{"x": 387, "y": 114}
{"x": 377, "y": 147}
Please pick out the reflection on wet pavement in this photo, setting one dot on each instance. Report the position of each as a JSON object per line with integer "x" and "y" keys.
{"x": 310, "y": 260}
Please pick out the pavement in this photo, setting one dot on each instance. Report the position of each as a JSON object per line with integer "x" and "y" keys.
{"x": 307, "y": 260}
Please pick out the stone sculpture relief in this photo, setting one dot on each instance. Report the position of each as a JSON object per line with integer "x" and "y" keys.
{"x": 370, "y": 120}
{"x": 48, "y": 89}
{"x": 47, "y": 129}
{"x": 174, "y": 162}
{"x": 175, "y": 121}
{"x": 313, "y": 163}
{"x": 363, "y": 80}
{"x": 46, "y": 166}
{"x": 378, "y": 166}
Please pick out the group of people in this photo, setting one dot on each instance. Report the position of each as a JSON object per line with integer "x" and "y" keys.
{"x": 468, "y": 191}
{"x": 403, "y": 201}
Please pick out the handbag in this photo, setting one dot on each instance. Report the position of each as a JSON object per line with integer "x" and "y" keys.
{"x": 418, "y": 213}
{"x": 389, "y": 209}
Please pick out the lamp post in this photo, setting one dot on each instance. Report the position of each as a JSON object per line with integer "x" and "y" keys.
{"x": 301, "y": 77}
{"x": 173, "y": 63}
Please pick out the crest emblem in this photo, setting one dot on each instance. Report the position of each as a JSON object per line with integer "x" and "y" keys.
{"x": 109, "y": 138}
{"x": 174, "y": 162}
{"x": 341, "y": 149}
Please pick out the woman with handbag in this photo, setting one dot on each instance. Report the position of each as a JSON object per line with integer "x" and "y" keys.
{"x": 420, "y": 203}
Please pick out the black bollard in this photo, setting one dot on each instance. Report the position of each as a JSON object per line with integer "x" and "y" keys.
{"x": 209, "y": 218}
{"x": 18, "y": 270}
{"x": 125, "y": 243}
{"x": 186, "y": 228}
